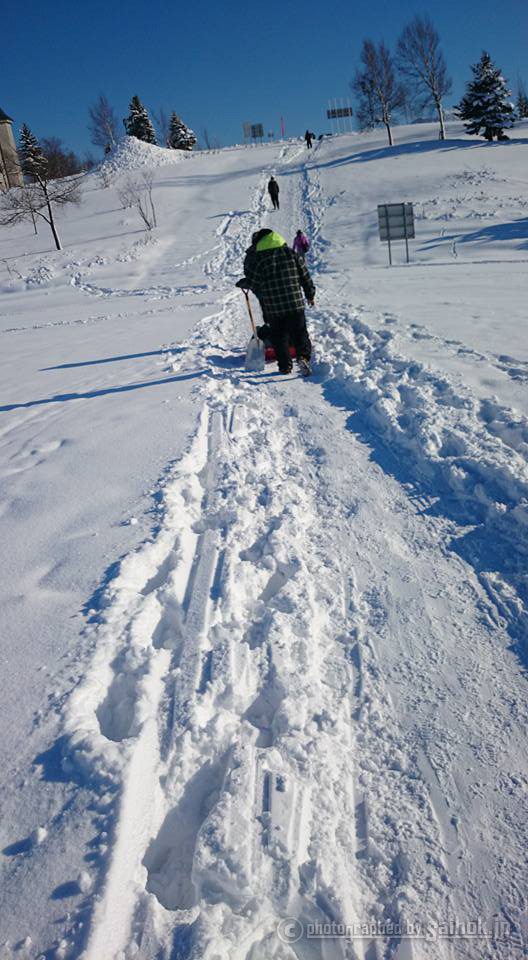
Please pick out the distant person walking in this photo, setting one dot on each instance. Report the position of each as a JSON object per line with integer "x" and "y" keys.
{"x": 308, "y": 137}
{"x": 273, "y": 190}
{"x": 301, "y": 244}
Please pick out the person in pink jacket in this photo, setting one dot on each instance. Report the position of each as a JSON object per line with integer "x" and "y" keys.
{"x": 301, "y": 244}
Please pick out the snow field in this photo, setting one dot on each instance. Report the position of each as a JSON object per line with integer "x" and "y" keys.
{"x": 303, "y": 704}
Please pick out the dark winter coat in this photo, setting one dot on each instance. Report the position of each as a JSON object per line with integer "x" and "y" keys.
{"x": 278, "y": 277}
{"x": 273, "y": 188}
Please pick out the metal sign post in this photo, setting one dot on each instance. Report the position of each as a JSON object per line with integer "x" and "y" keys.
{"x": 396, "y": 222}
{"x": 253, "y": 131}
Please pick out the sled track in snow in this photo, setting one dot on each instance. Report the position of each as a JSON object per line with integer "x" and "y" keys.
{"x": 225, "y": 772}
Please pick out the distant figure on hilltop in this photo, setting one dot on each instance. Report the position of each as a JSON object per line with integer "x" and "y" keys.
{"x": 308, "y": 137}
{"x": 273, "y": 190}
{"x": 301, "y": 244}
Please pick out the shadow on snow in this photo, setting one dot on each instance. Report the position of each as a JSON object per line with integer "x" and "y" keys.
{"x": 516, "y": 230}
{"x": 91, "y": 394}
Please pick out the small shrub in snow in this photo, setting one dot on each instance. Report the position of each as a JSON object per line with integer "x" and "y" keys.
{"x": 136, "y": 193}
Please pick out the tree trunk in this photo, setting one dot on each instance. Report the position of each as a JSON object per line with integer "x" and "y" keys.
{"x": 389, "y": 133}
{"x": 440, "y": 112}
{"x": 53, "y": 227}
{"x": 44, "y": 188}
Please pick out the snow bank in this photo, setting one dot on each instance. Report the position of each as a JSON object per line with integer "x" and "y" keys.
{"x": 472, "y": 452}
{"x": 132, "y": 154}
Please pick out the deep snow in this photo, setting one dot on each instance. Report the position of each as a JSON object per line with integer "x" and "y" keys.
{"x": 264, "y": 639}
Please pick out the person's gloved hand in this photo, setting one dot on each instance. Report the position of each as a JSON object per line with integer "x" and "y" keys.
{"x": 243, "y": 284}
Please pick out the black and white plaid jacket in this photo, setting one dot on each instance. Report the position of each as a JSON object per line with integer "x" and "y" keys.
{"x": 278, "y": 277}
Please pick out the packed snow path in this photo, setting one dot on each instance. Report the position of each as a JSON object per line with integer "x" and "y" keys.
{"x": 298, "y": 696}
{"x": 304, "y": 720}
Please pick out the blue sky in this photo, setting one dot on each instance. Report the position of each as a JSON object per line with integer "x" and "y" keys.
{"x": 219, "y": 63}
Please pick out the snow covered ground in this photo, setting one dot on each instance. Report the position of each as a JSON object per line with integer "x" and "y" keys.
{"x": 265, "y": 639}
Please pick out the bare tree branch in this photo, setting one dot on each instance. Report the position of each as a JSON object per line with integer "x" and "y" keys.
{"x": 379, "y": 92}
{"x": 103, "y": 124}
{"x": 162, "y": 123}
{"x": 422, "y": 63}
{"x": 37, "y": 199}
{"x": 136, "y": 193}
{"x": 61, "y": 163}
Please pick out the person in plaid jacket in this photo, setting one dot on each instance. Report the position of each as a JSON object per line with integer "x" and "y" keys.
{"x": 279, "y": 278}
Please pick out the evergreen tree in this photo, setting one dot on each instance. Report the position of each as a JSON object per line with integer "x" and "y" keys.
{"x": 138, "y": 122}
{"x": 485, "y": 105}
{"x": 32, "y": 160}
{"x": 180, "y": 137}
{"x": 522, "y": 101}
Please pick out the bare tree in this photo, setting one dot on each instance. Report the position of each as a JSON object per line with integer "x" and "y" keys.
{"x": 104, "y": 125}
{"x": 89, "y": 162}
{"x": 206, "y": 139}
{"x": 162, "y": 123}
{"x": 37, "y": 199}
{"x": 136, "y": 193}
{"x": 422, "y": 64}
{"x": 61, "y": 163}
{"x": 376, "y": 85}
{"x": 522, "y": 100}
{"x": 39, "y": 194}
{"x": 366, "y": 111}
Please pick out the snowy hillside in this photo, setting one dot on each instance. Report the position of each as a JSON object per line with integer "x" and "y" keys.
{"x": 265, "y": 639}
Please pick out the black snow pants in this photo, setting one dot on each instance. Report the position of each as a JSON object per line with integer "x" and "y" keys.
{"x": 290, "y": 328}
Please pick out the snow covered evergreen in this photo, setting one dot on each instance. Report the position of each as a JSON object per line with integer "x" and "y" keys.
{"x": 486, "y": 105}
{"x": 138, "y": 123}
{"x": 32, "y": 160}
{"x": 180, "y": 136}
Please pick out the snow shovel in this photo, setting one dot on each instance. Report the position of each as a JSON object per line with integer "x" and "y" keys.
{"x": 255, "y": 354}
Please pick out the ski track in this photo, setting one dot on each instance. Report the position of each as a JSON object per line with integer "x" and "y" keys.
{"x": 240, "y": 721}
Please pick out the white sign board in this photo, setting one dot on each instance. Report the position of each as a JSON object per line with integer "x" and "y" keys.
{"x": 396, "y": 222}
